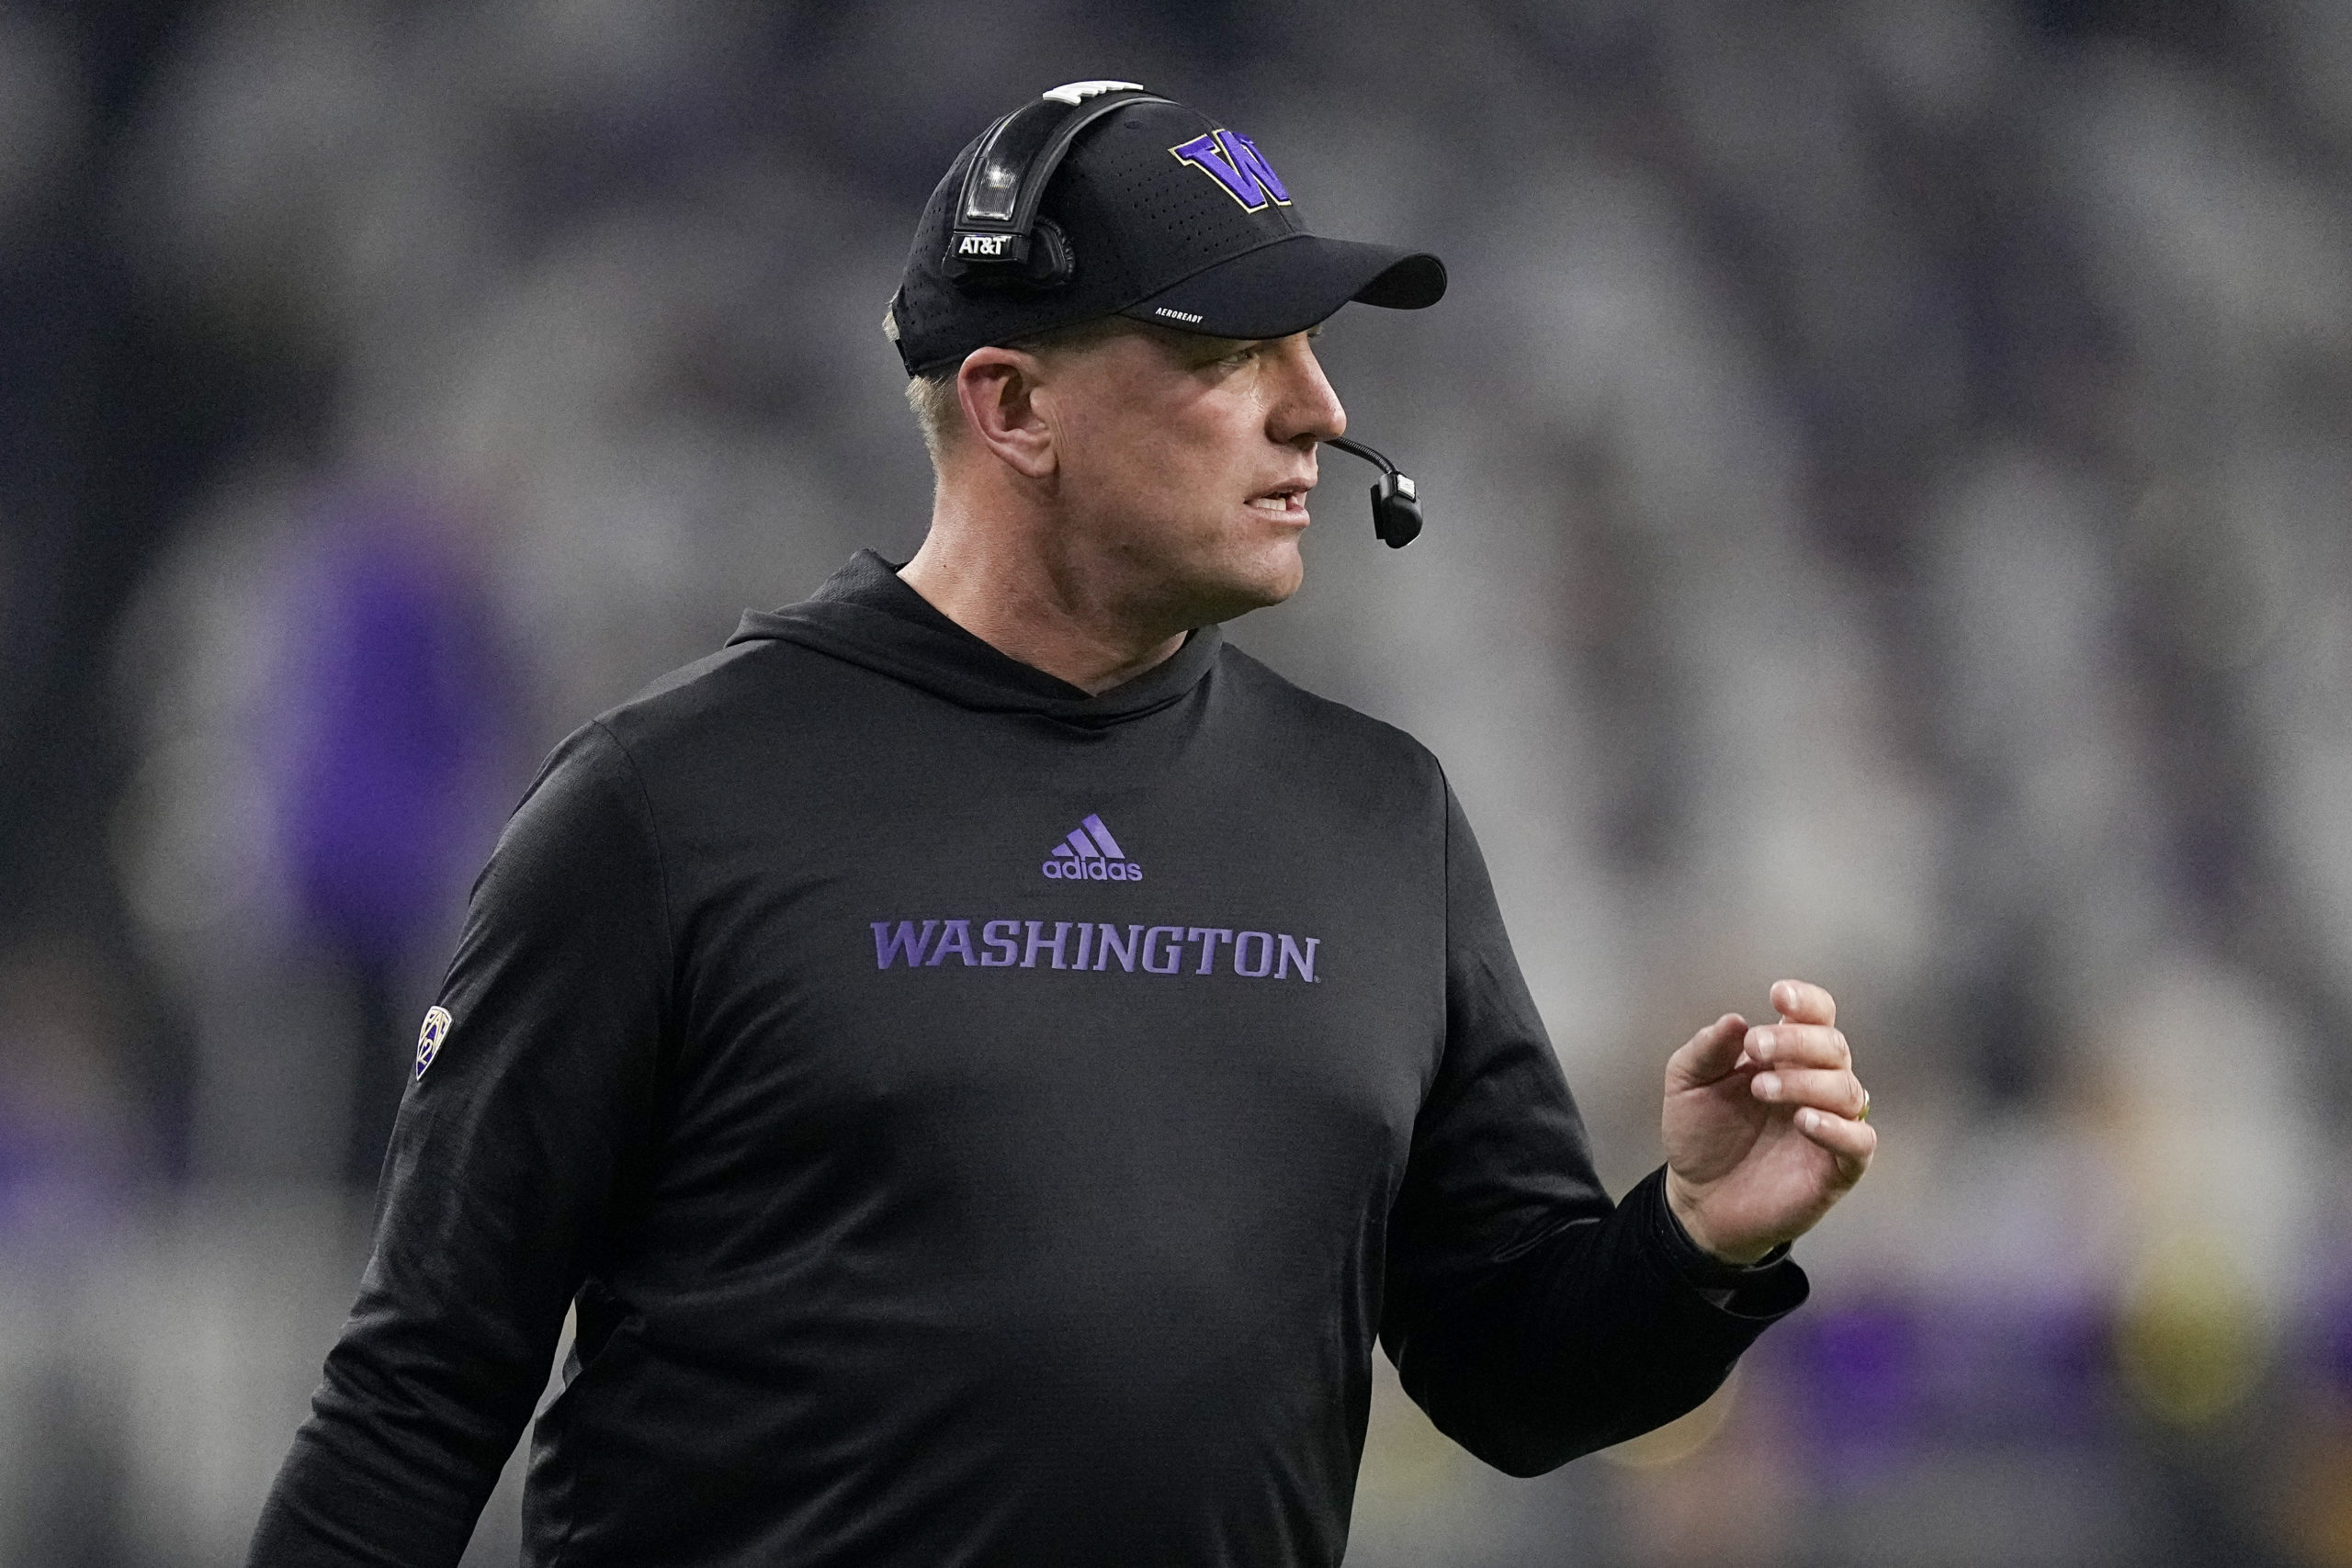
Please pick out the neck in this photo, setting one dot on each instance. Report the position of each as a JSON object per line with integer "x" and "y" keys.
{"x": 1036, "y": 592}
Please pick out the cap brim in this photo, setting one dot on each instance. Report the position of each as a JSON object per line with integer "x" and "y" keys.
{"x": 1289, "y": 286}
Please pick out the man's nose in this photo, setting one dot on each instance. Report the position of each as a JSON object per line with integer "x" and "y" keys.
{"x": 1305, "y": 408}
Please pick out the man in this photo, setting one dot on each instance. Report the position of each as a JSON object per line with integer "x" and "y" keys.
{"x": 984, "y": 1059}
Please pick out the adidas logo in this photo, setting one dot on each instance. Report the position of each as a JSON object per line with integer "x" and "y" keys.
{"x": 1091, "y": 854}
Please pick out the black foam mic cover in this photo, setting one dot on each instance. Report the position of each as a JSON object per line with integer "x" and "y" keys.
{"x": 1396, "y": 515}
{"x": 1395, "y": 500}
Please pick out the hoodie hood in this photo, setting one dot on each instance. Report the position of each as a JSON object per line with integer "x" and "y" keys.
{"x": 866, "y": 615}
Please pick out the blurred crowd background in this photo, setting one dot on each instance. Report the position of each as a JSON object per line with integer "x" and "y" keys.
{"x": 1887, "y": 471}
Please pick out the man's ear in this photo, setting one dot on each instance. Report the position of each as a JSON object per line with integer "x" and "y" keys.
{"x": 997, "y": 388}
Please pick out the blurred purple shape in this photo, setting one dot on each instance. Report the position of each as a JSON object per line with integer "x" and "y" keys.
{"x": 29, "y": 1154}
{"x": 1882, "y": 1377}
{"x": 397, "y": 698}
{"x": 47, "y": 1167}
{"x": 2013, "y": 1372}
{"x": 1857, "y": 1370}
{"x": 2331, "y": 1336}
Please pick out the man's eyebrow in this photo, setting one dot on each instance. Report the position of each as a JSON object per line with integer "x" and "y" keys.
{"x": 1213, "y": 349}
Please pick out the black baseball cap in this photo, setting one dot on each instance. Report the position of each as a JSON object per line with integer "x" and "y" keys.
{"x": 1164, "y": 215}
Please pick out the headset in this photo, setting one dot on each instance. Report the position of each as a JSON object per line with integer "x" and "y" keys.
{"x": 998, "y": 240}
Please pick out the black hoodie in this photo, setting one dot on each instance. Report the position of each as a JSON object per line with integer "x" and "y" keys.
{"x": 981, "y": 1122}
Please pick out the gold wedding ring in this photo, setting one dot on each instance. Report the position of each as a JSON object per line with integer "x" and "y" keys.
{"x": 1864, "y": 1113}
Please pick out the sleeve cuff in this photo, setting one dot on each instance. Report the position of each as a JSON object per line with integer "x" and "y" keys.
{"x": 1760, "y": 1289}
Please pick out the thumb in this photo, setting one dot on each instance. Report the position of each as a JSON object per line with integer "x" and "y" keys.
{"x": 1707, "y": 1055}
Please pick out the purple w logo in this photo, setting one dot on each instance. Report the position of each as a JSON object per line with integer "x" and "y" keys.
{"x": 1234, "y": 162}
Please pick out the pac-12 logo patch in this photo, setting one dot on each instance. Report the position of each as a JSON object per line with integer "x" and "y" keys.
{"x": 429, "y": 1038}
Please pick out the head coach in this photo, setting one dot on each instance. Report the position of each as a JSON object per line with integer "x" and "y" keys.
{"x": 983, "y": 1059}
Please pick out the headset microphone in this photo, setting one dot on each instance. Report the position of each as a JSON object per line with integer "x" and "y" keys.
{"x": 1395, "y": 507}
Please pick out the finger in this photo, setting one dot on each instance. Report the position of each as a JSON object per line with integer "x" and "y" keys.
{"x": 1837, "y": 1092}
{"x": 1800, "y": 1001}
{"x": 1799, "y": 1046}
{"x": 1852, "y": 1143}
{"x": 1710, "y": 1053}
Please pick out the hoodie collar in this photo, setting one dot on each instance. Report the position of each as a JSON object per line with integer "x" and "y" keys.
{"x": 866, "y": 614}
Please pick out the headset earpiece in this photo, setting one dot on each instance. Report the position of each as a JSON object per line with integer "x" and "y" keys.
{"x": 1051, "y": 263}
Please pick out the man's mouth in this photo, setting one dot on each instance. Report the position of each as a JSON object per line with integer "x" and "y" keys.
{"x": 1286, "y": 500}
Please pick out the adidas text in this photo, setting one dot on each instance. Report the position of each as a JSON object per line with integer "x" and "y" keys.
{"x": 1091, "y": 854}
{"x": 1093, "y": 870}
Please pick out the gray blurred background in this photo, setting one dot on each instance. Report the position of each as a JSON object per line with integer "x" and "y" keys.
{"x": 1887, "y": 472}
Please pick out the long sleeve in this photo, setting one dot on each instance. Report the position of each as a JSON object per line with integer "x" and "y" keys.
{"x": 1532, "y": 1319}
{"x": 510, "y": 1154}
